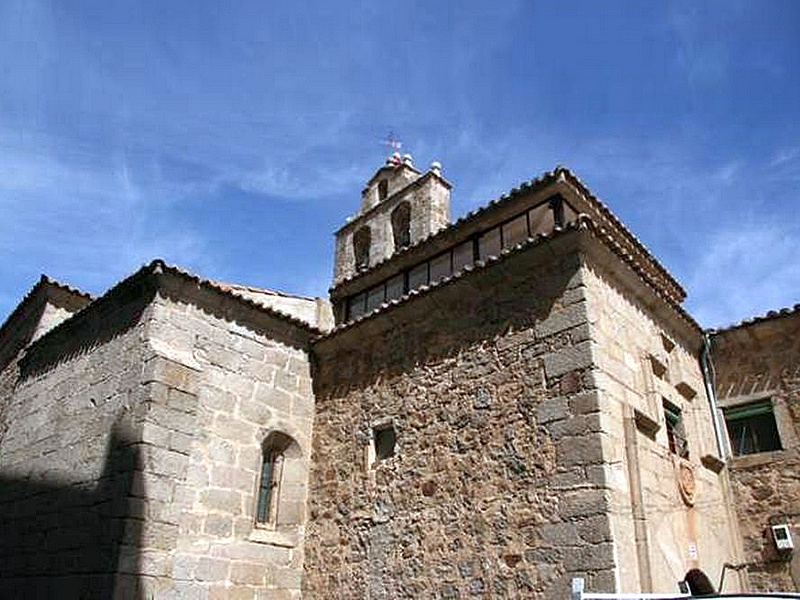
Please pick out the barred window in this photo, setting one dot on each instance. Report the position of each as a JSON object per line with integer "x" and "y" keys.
{"x": 278, "y": 481}
{"x": 269, "y": 487}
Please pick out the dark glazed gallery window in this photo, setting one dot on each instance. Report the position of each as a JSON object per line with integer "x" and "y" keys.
{"x": 362, "y": 239}
{"x": 557, "y": 206}
{"x": 752, "y": 428}
{"x": 401, "y": 225}
{"x": 676, "y": 434}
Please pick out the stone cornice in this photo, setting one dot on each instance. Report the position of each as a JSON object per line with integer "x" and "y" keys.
{"x": 648, "y": 267}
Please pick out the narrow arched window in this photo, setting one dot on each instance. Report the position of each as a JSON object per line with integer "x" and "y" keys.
{"x": 274, "y": 453}
{"x": 269, "y": 488}
{"x": 361, "y": 243}
{"x": 401, "y": 225}
{"x": 383, "y": 189}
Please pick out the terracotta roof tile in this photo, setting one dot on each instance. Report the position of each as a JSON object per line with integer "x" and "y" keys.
{"x": 582, "y": 223}
{"x": 38, "y": 288}
{"x": 159, "y": 266}
{"x": 769, "y": 316}
{"x": 546, "y": 178}
{"x": 233, "y": 287}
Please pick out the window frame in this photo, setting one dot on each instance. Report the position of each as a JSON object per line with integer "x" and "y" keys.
{"x": 281, "y": 458}
{"x": 269, "y": 483}
{"x": 675, "y": 429}
{"x": 748, "y": 409}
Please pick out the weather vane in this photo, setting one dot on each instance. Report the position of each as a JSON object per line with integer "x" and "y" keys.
{"x": 395, "y": 144}
{"x": 392, "y": 141}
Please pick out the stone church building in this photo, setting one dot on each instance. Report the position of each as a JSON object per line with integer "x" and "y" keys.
{"x": 483, "y": 408}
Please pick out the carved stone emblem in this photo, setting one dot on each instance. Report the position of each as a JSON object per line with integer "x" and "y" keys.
{"x": 686, "y": 482}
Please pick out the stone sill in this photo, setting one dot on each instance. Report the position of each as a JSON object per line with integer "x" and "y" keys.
{"x": 712, "y": 463}
{"x": 285, "y": 538}
{"x": 756, "y": 460}
{"x": 646, "y": 424}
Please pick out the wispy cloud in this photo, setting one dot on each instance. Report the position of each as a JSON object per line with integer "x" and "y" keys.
{"x": 704, "y": 58}
{"x": 720, "y": 226}
{"x": 133, "y": 132}
{"x": 785, "y": 166}
{"x": 746, "y": 270}
{"x": 785, "y": 155}
{"x": 82, "y": 219}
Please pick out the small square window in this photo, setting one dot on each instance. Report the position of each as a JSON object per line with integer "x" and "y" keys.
{"x": 384, "y": 439}
{"x": 676, "y": 434}
{"x": 752, "y": 428}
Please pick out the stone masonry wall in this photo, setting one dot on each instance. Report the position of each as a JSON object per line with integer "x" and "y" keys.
{"x": 221, "y": 383}
{"x": 68, "y": 459}
{"x": 497, "y": 487}
{"x": 755, "y": 362}
{"x": 131, "y": 461}
{"x": 668, "y": 514}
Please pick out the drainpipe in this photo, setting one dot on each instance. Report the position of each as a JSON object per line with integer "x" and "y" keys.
{"x": 708, "y": 381}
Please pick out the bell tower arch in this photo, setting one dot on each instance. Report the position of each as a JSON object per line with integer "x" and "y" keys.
{"x": 400, "y": 206}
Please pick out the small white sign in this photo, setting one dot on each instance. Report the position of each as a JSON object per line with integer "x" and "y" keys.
{"x": 692, "y": 550}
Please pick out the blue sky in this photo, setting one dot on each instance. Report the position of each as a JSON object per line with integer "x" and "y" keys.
{"x": 233, "y": 138}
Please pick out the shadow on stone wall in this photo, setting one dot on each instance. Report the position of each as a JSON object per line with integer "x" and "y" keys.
{"x": 64, "y": 541}
{"x": 512, "y": 296}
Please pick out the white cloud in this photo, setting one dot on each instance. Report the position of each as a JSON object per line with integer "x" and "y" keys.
{"x": 79, "y": 218}
{"x": 722, "y": 232}
{"x": 785, "y": 165}
{"x": 785, "y": 155}
{"x": 744, "y": 271}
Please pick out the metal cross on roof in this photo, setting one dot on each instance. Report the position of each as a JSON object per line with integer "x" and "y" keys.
{"x": 392, "y": 141}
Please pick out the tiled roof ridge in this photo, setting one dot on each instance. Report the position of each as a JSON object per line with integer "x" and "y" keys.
{"x": 608, "y": 213}
{"x": 40, "y": 285}
{"x": 582, "y": 223}
{"x": 543, "y": 179}
{"x": 64, "y": 286}
{"x": 605, "y": 237}
{"x": 158, "y": 265}
{"x": 768, "y": 316}
{"x": 258, "y": 290}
